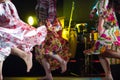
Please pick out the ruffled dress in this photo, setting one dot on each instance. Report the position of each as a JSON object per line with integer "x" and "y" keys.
{"x": 110, "y": 38}
{"x": 54, "y": 43}
{"x": 15, "y": 33}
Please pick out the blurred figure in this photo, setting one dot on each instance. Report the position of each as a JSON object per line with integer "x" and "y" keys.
{"x": 17, "y": 37}
{"x": 54, "y": 52}
{"x": 107, "y": 45}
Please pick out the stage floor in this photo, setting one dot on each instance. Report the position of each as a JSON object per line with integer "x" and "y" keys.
{"x": 55, "y": 78}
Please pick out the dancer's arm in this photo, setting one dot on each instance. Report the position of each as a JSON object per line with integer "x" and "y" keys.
{"x": 102, "y": 17}
{"x": 93, "y": 11}
{"x": 52, "y": 10}
{"x": 106, "y": 2}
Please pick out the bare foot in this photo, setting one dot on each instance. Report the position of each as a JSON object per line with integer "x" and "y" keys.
{"x": 27, "y": 57}
{"x": 1, "y": 77}
{"x": 106, "y": 78}
{"x": 63, "y": 66}
{"x": 46, "y": 78}
{"x": 109, "y": 77}
{"x": 28, "y": 61}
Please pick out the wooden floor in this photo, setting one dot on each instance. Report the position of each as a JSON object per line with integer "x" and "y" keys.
{"x": 55, "y": 78}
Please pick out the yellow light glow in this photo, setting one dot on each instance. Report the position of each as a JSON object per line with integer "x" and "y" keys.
{"x": 65, "y": 34}
{"x": 30, "y": 20}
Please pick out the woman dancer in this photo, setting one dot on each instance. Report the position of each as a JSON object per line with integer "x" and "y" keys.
{"x": 107, "y": 45}
{"x": 54, "y": 52}
{"x": 17, "y": 37}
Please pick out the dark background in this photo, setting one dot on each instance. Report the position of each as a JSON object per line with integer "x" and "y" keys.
{"x": 80, "y": 14}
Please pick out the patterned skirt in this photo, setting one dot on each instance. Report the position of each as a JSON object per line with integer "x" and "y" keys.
{"x": 110, "y": 39}
{"x": 56, "y": 44}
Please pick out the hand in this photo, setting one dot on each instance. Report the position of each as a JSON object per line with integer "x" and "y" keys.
{"x": 92, "y": 13}
{"x": 91, "y": 16}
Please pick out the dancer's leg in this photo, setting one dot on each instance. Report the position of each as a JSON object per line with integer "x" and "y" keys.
{"x": 60, "y": 60}
{"x": 1, "y": 65}
{"x": 111, "y": 54}
{"x": 27, "y": 57}
{"x": 106, "y": 66}
{"x": 108, "y": 53}
{"x": 46, "y": 67}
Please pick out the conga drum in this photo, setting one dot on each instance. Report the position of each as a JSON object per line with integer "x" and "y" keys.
{"x": 71, "y": 37}
{"x": 73, "y": 42}
{"x": 114, "y": 61}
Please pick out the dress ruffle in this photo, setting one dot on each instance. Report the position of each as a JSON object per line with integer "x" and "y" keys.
{"x": 15, "y": 33}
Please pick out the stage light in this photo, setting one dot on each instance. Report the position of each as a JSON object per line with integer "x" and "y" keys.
{"x": 30, "y": 20}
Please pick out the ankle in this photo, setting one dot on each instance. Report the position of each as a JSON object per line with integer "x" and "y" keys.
{"x": 61, "y": 61}
{"x": 24, "y": 56}
{"x": 1, "y": 77}
{"x": 48, "y": 71}
{"x": 49, "y": 76}
{"x": 63, "y": 66}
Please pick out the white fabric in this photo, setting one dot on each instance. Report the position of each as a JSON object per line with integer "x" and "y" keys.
{"x": 15, "y": 33}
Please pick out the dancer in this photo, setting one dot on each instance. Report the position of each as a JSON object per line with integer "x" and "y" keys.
{"x": 107, "y": 45}
{"x": 17, "y": 37}
{"x": 54, "y": 52}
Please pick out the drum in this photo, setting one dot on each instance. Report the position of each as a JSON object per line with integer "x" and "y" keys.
{"x": 73, "y": 43}
{"x": 71, "y": 37}
{"x": 114, "y": 61}
{"x": 65, "y": 34}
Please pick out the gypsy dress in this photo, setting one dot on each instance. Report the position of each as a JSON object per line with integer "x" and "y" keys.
{"x": 110, "y": 38}
{"x": 15, "y": 33}
{"x": 54, "y": 43}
